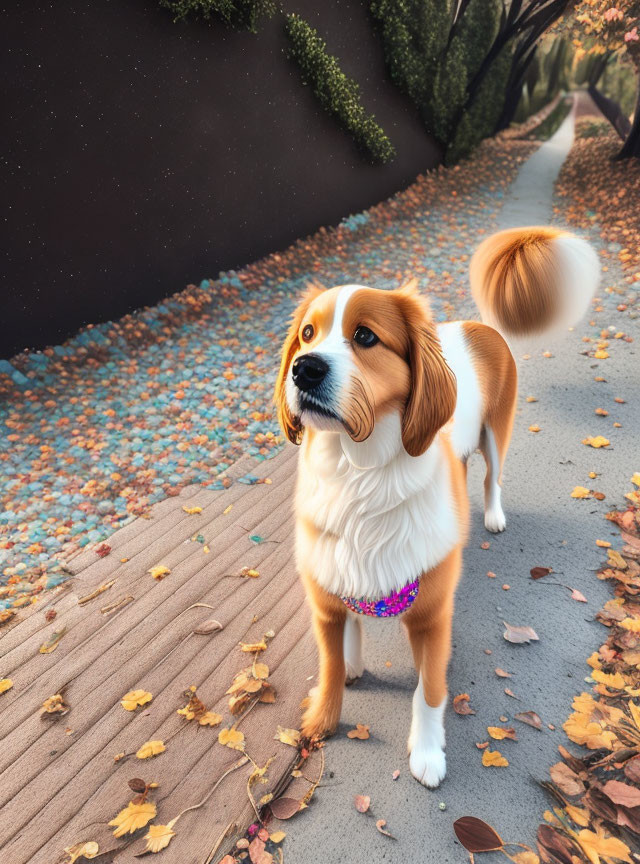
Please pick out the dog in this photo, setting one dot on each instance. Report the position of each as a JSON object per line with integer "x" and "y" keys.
{"x": 387, "y": 406}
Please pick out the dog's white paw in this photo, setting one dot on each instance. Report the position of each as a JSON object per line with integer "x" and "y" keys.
{"x": 352, "y": 649}
{"x": 353, "y": 671}
{"x": 495, "y": 520}
{"x": 428, "y": 764}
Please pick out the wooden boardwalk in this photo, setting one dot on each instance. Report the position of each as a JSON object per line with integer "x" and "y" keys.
{"x": 59, "y": 782}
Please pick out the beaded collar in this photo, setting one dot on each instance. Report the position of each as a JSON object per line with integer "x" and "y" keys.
{"x": 385, "y": 607}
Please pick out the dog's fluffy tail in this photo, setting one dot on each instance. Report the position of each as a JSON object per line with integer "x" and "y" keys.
{"x": 527, "y": 281}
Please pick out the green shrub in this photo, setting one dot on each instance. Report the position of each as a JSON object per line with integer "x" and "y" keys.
{"x": 240, "y": 14}
{"x": 337, "y": 94}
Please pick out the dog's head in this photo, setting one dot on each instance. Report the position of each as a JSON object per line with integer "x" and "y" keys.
{"x": 355, "y": 354}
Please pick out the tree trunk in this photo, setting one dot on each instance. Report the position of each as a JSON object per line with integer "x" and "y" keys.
{"x": 631, "y": 146}
{"x": 612, "y": 112}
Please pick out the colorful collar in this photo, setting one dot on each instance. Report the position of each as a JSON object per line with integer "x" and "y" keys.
{"x": 386, "y": 607}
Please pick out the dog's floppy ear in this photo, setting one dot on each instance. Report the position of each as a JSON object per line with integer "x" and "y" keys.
{"x": 290, "y": 424}
{"x": 432, "y": 394}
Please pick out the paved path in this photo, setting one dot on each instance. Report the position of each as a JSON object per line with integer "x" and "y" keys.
{"x": 545, "y": 526}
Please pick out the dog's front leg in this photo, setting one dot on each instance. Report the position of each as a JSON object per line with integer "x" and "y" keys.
{"x": 329, "y": 614}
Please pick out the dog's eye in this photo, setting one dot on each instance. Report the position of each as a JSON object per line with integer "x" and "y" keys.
{"x": 365, "y": 337}
{"x": 307, "y": 333}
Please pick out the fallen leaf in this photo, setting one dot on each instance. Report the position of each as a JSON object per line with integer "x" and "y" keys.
{"x": 580, "y": 492}
{"x": 5, "y": 684}
{"x": 476, "y": 836}
{"x": 526, "y": 857}
{"x": 603, "y": 543}
{"x": 362, "y": 803}
{"x": 54, "y": 705}
{"x": 288, "y": 736}
{"x": 539, "y": 572}
{"x": 260, "y": 670}
{"x": 502, "y": 674}
{"x": 380, "y": 825}
{"x": 277, "y": 836}
{"x": 102, "y": 550}
{"x": 52, "y": 642}
{"x": 531, "y": 399}
{"x": 499, "y": 733}
{"x": 597, "y": 441}
{"x": 578, "y": 595}
{"x": 361, "y": 732}
{"x": 87, "y": 849}
{"x": 150, "y": 748}
{"x": 232, "y": 738}
{"x": 519, "y": 635}
{"x": 395, "y": 774}
{"x": 133, "y": 817}
{"x": 511, "y": 693}
{"x": 253, "y": 647}
{"x": 494, "y": 759}
{"x": 566, "y": 780}
{"x": 158, "y": 837}
{"x": 208, "y": 626}
{"x": 534, "y": 428}
{"x": 135, "y": 698}
{"x": 88, "y": 597}
{"x": 622, "y": 793}
{"x": 210, "y": 718}
{"x": 461, "y": 704}
{"x": 159, "y": 571}
{"x": 599, "y": 843}
{"x": 284, "y": 808}
{"x": 191, "y": 511}
{"x": 530, "y": 718}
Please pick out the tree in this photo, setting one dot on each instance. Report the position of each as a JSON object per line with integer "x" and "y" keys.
{"x": 604, "y": 28}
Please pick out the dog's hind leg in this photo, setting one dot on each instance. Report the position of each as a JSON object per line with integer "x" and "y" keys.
{"x": 352, "y": 648}
{"x": 494, "y": 518}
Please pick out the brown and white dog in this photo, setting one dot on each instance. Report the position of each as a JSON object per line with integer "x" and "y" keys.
{"x": 387, "y": 407}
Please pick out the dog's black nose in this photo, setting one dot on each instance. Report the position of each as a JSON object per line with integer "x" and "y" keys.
{"x": 308, "y": 371}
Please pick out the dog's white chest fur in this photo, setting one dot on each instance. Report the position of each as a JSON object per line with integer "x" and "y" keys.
{"x": 384, "y": 517}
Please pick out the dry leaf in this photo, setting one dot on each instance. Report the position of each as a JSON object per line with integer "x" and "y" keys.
{"x": 150, "y": 748}
{"x": 526, "y": 857}
{"x": 159, "y": 571}
{"x": 622, "y": 793}
{"x": 208, "y": 626}
{"x": 519, "y": 635}
{"x": 210, "y": 718}
{"x": 530, "y": 718}
{"x": 260, "y": 670}
{"x": 476, "y": 836}
{"x": 5, "y": 684}
{"x": 566, "y": 780}
{"x": 380, "y": 825}
{"x": 580, "y": 492}
{"x": 88, "y": 597}
{"x": 52, "y": 643}
{"x": 253, "y": 647}
{"x": 599, "y": 843}
{"x": 135, "y": 698}
{"x": 232, "y": 738}
{"x": 86, "y": 849}
{"x": 158, "y": 837}
{"x": 361, "y": 731}
{"x": 539, "y": 572}
{"x": 362, "y": 803}
{"x": 494, "y": 759}
{"x": 500, "y": 732}
{"x": 133, "y": 817}
{"x": 288, "y": 736}
{"x": 54, "y": 705}
{"x": 461, "y": 704}
{"x": 277, "y": 836}
{"x": 502, "y": 674}
{"x": 597, "y": 442}
{"x": 284, "y": 808}
{"x": 534, "y": 428}
{"x": 578, "y": 595}
{"x": 191, "y": 511}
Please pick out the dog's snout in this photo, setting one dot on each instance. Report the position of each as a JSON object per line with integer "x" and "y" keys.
{"x": 309, "y": 371}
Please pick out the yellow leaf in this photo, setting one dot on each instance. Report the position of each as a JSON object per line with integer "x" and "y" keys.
{"x": 493, "y": 758}
{"x": 253, "y": 646}
{"x": 527, "y": 857}
{"x": 598, "y": 843}
{"x": 580, "y": 492}
{"x": 578, "y": 815}
{"x": 635, "y": 713}
{"x": 54, "y": 705}
{"x": 158, "y": 837}
{"x": 531, "y": 399}
{"x": 614, "y": 680}
{"x": 191, "y": 511}
{"x": 260, "y": 670}
{"x": 134, "y": 698}
{"x": 636, "y": 479}
{"x": 132, "y": 817}
{"x": 591, "y": 734}
{"x": 52, "y": 643}
{"x": 277, "y": 837}
{"x": 159, "y": 571}
{"x": 632, "y": 624}
{"x": 616, "y": 559}
{"x": 597, "y": 442}
{"x": 88, "y": 849}
{"x": 150, "y": 748}
{"x": 210, "y": 718}
{"x": 5, "y": 684}
{"x": 534, "y": 428}
{"x": 594, "y": 660}
{"x": 227, "y": 510}
{"x": 498, "y": 733}
{"x": 601, "y": 354}
{"x": 288, "y": 736}
{"x": 232, "y": 738}
{"x": 604, "y": 544}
